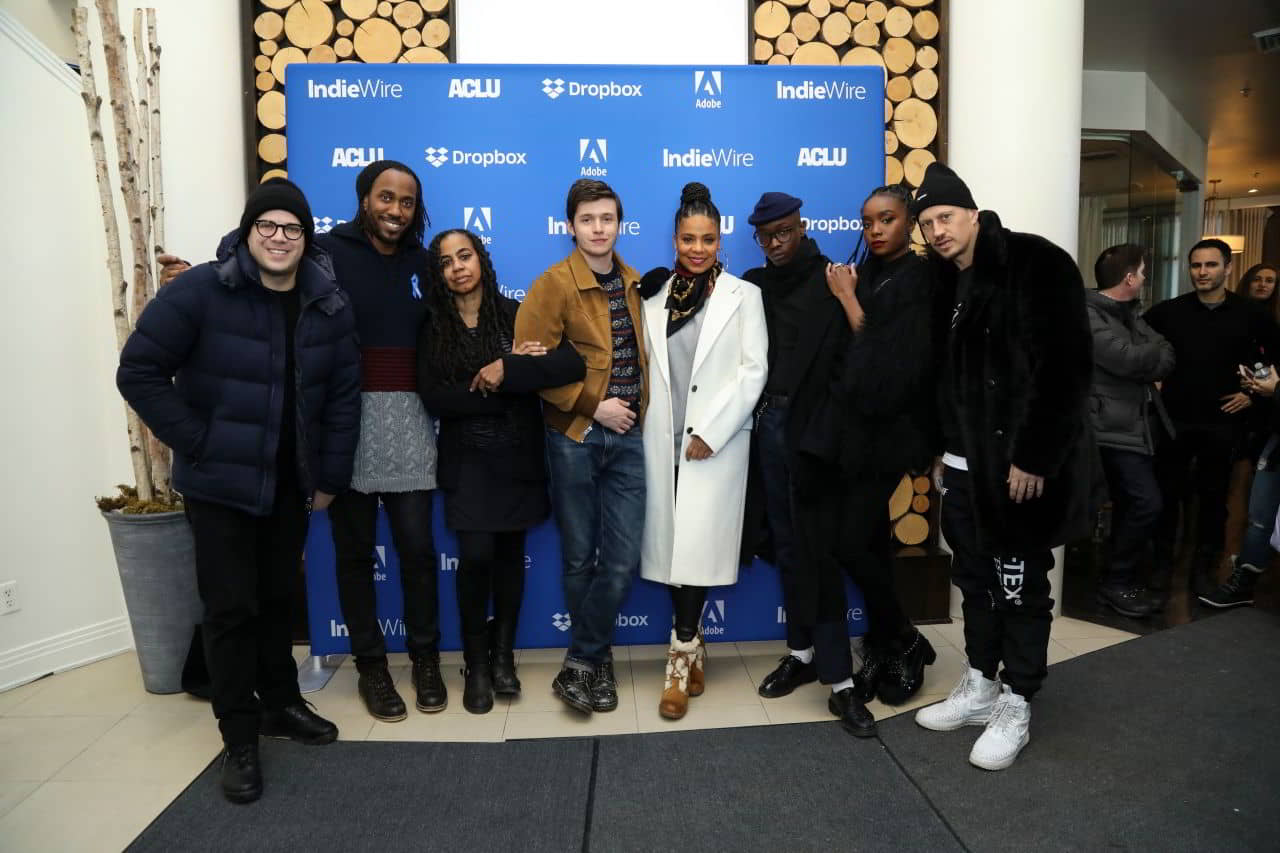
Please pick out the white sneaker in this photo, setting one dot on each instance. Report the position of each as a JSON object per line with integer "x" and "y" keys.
{"x": 969, "y": 704}
{"x": 1008, "y": 731}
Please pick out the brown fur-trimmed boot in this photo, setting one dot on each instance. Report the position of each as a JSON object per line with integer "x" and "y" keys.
{"x": 698, "y": 674}
{"x": 675, "y": 690}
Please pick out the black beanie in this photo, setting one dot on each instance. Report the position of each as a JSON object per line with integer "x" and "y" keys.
{"x": 941, "y": 186}
{"x": 278, "y": 194}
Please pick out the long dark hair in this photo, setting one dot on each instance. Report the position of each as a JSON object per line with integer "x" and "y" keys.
{"x": 454, "y": 352}
{"x": 862, "y": 257}
{"x": 1272, "y": 303}
{"x": 417, "y": 230}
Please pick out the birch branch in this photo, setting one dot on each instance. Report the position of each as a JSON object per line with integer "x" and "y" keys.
{"x": 157, "y": 175}
{"x": 142, "y": 155}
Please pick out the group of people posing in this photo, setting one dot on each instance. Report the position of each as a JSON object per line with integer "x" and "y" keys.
{"x": 301, "y": 371}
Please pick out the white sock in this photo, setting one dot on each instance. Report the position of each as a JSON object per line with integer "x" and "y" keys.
{"x": 802, "y": 655}
{"x": 841, "y": 685}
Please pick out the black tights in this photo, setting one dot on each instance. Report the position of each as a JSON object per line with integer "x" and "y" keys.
{"x": 490, "y": 565}
{"x": 687, "y": 602}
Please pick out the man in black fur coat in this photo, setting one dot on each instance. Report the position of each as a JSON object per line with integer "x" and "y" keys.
{"x": 1015, "y": 368}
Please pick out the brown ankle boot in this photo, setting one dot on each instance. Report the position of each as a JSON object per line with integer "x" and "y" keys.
{"x": 698, "y": 674}
{"x": 675, "y": 690}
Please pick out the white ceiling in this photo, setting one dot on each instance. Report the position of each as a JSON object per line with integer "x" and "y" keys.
{"x": 1201, "y": 55}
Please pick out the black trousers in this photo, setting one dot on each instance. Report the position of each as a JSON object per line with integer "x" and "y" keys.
{"x": 490, "y": 567}
{"x": 1209, "y": 449}
{"x": 353, "y": 516}
{"x": 1135, "y": 509}
{"x": 1007, "y": 606}
{"x": 246, "y": 567}
{"x": 687, "y": 603}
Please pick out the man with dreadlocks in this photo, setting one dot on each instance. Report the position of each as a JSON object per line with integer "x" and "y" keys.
{"x": 492, "y": 468}
{"x": 382, "y": 266}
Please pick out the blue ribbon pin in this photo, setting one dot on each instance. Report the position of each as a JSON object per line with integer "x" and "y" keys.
{"x": 413, "y": 285}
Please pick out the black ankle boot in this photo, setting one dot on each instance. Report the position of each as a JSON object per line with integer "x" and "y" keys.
{"x": 905, "y": 671}
{"x": 502, "y": 657}
{"x": 867, "y": 679}
{"x": 430, "y": 694}
{"x": 241, "y": 773}
{"x": 477, "y": 692}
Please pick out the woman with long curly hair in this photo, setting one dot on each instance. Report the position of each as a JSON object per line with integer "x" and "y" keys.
{"x": 491, "y": 467}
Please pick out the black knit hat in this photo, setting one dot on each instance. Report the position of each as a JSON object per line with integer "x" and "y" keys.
{"x": 278, "y": 194}
{"x": 773, "y": 206}
{"x": 941, "y": 186}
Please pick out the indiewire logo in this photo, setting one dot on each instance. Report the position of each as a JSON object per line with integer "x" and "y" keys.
{"x": 708, "y": 88}
{"x": 713, "y": 621}
{"x": 593, "y": 154}
{"x": 696, "y": 158}
{"x": 437, "y": 157}
{"x": 475, "y": 87}
{"x": 833, "y": 225}
{"x": 852, "y": 614}
{"x": 823, "y": 157}
{"x": 554, "y": 88}
{"x": 480, "y": 221}
{"x": 807, "y": 90}
{"x": 561, "y": 621}
{"x": 366, "y": 88}
{"x": 353, "y": 157}
{"x": 560, "y": 228}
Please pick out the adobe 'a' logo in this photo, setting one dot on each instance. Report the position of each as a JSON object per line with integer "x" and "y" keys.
{"x": 593, "y": 154}
{"x": 479, "y": 220}
{"x": 380, "y": 562}
{"x": 708, "y": 88}
{"x": 713, "y": 621}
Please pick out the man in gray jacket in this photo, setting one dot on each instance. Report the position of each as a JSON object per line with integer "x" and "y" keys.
{"x": 1128, "y": 357}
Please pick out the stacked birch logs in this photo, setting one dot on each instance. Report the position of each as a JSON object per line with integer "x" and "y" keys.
{"x": 909, "y": 508}
{"x": 290, "y": 31}
{"x": 900, "y": 36}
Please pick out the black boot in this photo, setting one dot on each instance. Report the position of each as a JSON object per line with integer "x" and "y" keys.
{"x": 854, "y": 716}
{"x": 378, "y": 691}
{"x": 1237, "y": 590}
{"x": 298, "y": 723}
{"x": 867, "y": 679}
{"x": 241, "y": 773}
{"x": 431, "y": 694}
{"x": 477, "y": 693}
{"x": 502, "y": 655}
{"x": 905, "y": 671}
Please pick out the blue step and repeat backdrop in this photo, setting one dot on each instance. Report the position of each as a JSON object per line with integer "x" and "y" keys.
{"x": 497, "y": 146}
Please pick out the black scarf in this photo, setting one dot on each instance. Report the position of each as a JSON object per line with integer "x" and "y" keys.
{"x": 687, "y": 295}
{"x": 797, "y": 270}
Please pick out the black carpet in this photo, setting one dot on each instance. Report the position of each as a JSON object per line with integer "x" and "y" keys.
{"x": 1163, "y": 743}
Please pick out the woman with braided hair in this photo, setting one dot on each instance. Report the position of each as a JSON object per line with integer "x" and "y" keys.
{"x": 491, "y": 447}
{"x": 708, "y": 351}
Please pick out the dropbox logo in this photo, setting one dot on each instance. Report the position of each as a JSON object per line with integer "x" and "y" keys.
{"x": 437, "y": 157}
{"x": 325, "y": 224}
{"x": 561, "y": 621}
{"x": 593, "y": 154}
{"x": 553, "y": 89}
{"x": 480, "y": 221}
{"x": 708, "y": 89}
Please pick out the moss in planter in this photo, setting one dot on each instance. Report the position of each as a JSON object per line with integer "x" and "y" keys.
{"x": 127, "y": 502}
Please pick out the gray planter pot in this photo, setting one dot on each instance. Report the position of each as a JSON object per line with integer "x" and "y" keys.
{"x": 156, "y": 557}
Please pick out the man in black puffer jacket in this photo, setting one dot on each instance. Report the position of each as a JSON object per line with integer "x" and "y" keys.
{"x": 249, "y": 368}
{"x": 1128, "y": 356}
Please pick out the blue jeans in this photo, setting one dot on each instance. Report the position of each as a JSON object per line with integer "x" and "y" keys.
{"x": 1135, "y": 509}
{"x": 598, "y": 493}
{"x": 1264, "y": 502}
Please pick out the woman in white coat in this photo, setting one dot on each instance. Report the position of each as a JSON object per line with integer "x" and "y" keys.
{"x": 707, "y": 348}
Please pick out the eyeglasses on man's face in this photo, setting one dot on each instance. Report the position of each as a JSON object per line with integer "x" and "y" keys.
{"x": 267, "y": 228}
{"x": 782, "y": 236}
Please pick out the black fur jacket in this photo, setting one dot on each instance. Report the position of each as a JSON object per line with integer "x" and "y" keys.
{"x": 1021, "y": 359}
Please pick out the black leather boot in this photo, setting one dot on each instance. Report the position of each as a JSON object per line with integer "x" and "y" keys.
{"x": 502, "y": 656}
{"x": 428, "y": 686}
{"x": 241, "y": 773}
{"x": 905, "y": 671}
{"x": 477, "y": 692}
{"x": 377, "y": 690}
{"x": 867, "y": 679}
{"x": 298, "y": 723}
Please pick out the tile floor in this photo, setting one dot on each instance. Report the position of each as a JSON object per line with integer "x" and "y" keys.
{"x": 94, "y": 738}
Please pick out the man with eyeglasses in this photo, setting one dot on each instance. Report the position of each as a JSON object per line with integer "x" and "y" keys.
{"x": 261, "y": 431}
{"x": 808, "y": 334}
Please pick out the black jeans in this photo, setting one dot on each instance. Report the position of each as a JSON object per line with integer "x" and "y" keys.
{"x": 246, "y": 567}
{"x": 353, "y": 517}
{"x": 1135, "y": 509}
{"x": 1007, "y": 606}
{"x": 1210, "y": 449}
{"x": 771, "y": 447}
{"x": 490, "y": 565}
{"x": 686, "y": 607}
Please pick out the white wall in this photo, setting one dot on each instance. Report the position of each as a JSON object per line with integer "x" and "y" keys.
{"x": 1128, "y": 100}
{"x": 652, "y": 32}
{"x": 48, "y": 20}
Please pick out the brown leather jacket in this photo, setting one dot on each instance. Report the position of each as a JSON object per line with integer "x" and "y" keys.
{"x": 566, "y": 301}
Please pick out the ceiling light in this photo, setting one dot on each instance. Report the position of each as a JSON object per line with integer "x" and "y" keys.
{"x": 1254, "y": 190}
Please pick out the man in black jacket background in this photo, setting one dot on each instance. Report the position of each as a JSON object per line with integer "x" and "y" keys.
{"x": 249, "y": 368}
{"x": 1128, "y": 357}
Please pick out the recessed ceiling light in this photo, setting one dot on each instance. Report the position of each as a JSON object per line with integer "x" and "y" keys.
{"x": 1254, "y": 190}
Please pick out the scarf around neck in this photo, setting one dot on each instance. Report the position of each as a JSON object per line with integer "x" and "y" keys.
{"x": 687, "y": 294}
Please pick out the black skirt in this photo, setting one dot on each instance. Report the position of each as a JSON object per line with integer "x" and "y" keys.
{"x": 488, "y": 501}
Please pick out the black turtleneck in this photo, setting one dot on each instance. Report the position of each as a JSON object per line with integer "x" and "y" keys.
{"x": 788, "y": 292}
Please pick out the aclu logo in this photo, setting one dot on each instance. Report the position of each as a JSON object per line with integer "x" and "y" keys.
{"x": 833, "y": 225}
{"x": 712, "y": 158}
{"x": 708, "y": 89}
{"x": 364, "y": 88}
{"x": 823, "y": 157}
{"x": 479, "y": 221}
{"x": 356, "y": 157}
{"x": 561, "y": 621}
{"x": 437, "y": 157}
{"x": 807, "y": 90}
{"x": 593, "y": 154}
{"x": 475, "y": 87}
{"x": 560, "y": 228}
{"x": 554, "y": 88}
{"x": 713, "y": 621}
{"x": 325, "y": 224}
